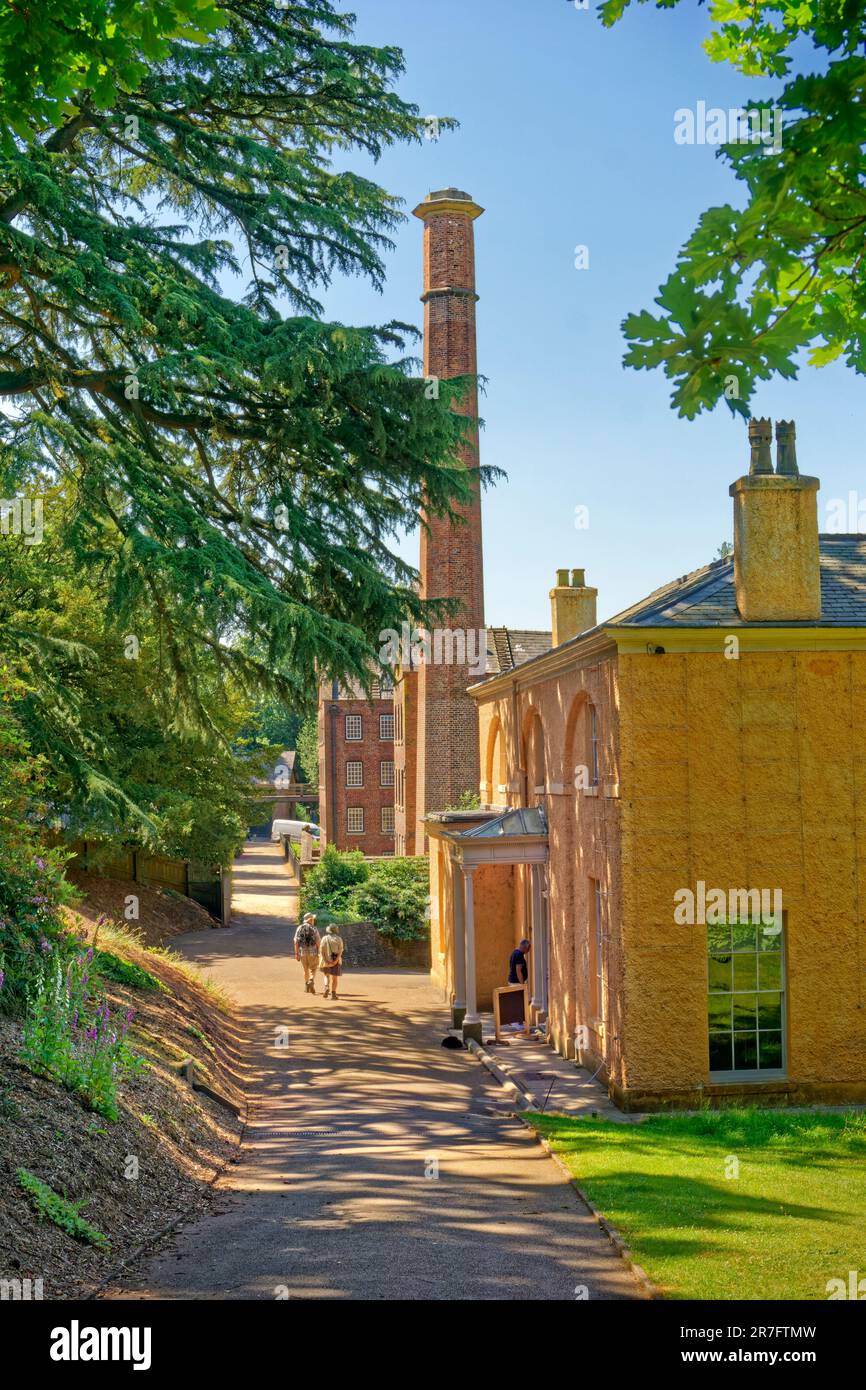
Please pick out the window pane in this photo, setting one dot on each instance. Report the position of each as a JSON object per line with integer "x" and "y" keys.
{"x": 769, "y": 1011}
{"x": 746, "y": 981}
{"x": 771, "y": 1050}
{"x": 744, "y": 936}
{"x": 770, "y": 938}
{"x": 770, "y": 970}
{"x": 718, "y": 938}
{"x": 745, "y": 1011}
{"x": 720, "y": 1010}
{"x": 721, "y": 1052}
{"x": 720, "y": 973}
{"x": 745, "y": 971}
{"x": 745, "y": 1051}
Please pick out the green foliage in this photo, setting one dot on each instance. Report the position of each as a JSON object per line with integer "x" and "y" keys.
{"x": 329, "y": 885}
{"x": 755, "y": 287}
{"x": 32, "y": 885}
{"x": 391, "y": 893}
{"x": 396, "y": 898}
{"x": 114, "y": 754}
{"x": 237, "y": 477}
{"x": 271, "y": 727}
{"x": 754, "y": 36}
{"x": 58, "y": 57}
{"x": 65, "y": 1214}
{"x": 125, "y": 972}
{"x": 467, "y": 801}
{"x": 70, "y": 1035}
{"x": 308, "y": 750}
{"x": 224, "y": 474}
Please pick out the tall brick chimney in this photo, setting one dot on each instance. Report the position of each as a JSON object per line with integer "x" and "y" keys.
{"x": 451, "y": 559}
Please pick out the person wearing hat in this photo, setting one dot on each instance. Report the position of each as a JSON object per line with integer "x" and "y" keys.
{"x": 331, "y": 959}
{"x": 307, "y": 943}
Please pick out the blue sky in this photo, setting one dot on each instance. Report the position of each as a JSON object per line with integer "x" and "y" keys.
{"x": 566, "y": 138}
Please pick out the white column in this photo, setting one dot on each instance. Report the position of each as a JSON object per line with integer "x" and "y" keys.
{"x": 544, "y": 904}
{"x": 472, "y": 1015}
{"x": 458, "y": 1007}
{"x": 537, "y": 1001}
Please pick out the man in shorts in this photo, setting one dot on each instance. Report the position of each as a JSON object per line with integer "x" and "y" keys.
{"x": 307, "y": 950}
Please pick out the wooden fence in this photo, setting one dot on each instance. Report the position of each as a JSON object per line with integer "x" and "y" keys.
{"x": 206, "y": 884}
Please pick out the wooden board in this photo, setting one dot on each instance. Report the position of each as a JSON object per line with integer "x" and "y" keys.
{"x": 511, "y": 1005}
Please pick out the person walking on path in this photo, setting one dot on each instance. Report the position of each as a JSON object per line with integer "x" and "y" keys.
{"x": 331, "y": 959}
{"x": 307, "y": 942}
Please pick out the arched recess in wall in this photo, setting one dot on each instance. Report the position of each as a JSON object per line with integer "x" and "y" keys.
{"x": 581, "y": 746}
{"x": 572, "y": 951}
{"x": 534, "y": 759}
{"x": 494, "y": 762}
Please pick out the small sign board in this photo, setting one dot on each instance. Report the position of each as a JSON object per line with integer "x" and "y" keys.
{"x": 510, "y": 1006}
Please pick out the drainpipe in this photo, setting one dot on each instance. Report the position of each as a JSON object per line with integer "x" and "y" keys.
{"x": 335, "y": 710}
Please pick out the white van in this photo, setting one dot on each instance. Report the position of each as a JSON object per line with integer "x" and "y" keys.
{"x": 292, "y": 829}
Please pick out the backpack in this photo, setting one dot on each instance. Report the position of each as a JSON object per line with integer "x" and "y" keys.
{"x": 308, "y": 937}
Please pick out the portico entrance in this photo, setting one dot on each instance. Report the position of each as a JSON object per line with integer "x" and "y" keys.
{"x": 471, "y": 924}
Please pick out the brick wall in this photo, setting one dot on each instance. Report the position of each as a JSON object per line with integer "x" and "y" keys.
{"x": 338, "y": 720}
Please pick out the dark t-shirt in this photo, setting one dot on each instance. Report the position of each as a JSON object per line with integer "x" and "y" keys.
{"x": 517, "y": 958}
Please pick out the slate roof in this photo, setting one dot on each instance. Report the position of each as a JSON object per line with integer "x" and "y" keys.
{"x": 705, "y": 598}
{"x": 508, "y": 647}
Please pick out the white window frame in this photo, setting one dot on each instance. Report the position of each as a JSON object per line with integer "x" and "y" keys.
{"x": 383, "y": 764}
{"x": 356, "y": 811}
{"x": 387, "y": 811}
{"x": 755, "y": 1075}
{"x": 353, "y": 721}
{"x": 383, "y": 720}
{"x": 355, "y": 763}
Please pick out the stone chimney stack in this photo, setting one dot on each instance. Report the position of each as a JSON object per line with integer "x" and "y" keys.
{"x": 777, "y": 569}
{"x": 572, "y": 606}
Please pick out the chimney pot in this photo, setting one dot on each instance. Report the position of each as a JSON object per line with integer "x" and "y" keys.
{"x": 786, "y": 449}
{"x": 760, "y": 439}
{"x": 578, "y": 579}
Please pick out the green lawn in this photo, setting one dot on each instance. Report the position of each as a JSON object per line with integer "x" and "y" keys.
{"x": 793, "y": 1219}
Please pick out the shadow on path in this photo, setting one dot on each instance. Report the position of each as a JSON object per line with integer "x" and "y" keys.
{"x": 376, "y": 1164}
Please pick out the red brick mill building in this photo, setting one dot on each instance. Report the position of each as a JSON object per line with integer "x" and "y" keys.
{"x": 377, "y": 788}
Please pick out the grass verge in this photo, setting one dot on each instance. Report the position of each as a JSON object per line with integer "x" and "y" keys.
{"x": 748, "y": 1203}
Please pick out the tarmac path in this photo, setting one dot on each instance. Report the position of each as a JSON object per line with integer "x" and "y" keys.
{"x": 377, "y": 1164}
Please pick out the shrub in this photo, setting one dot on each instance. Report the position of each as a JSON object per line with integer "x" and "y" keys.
{"x": 391, "y": 893}
{"x": 46, "y": 1202}
{"x": 328, "y": 887}
{"x": 395, "y": 898}
{"x": 70, "y": 1035}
